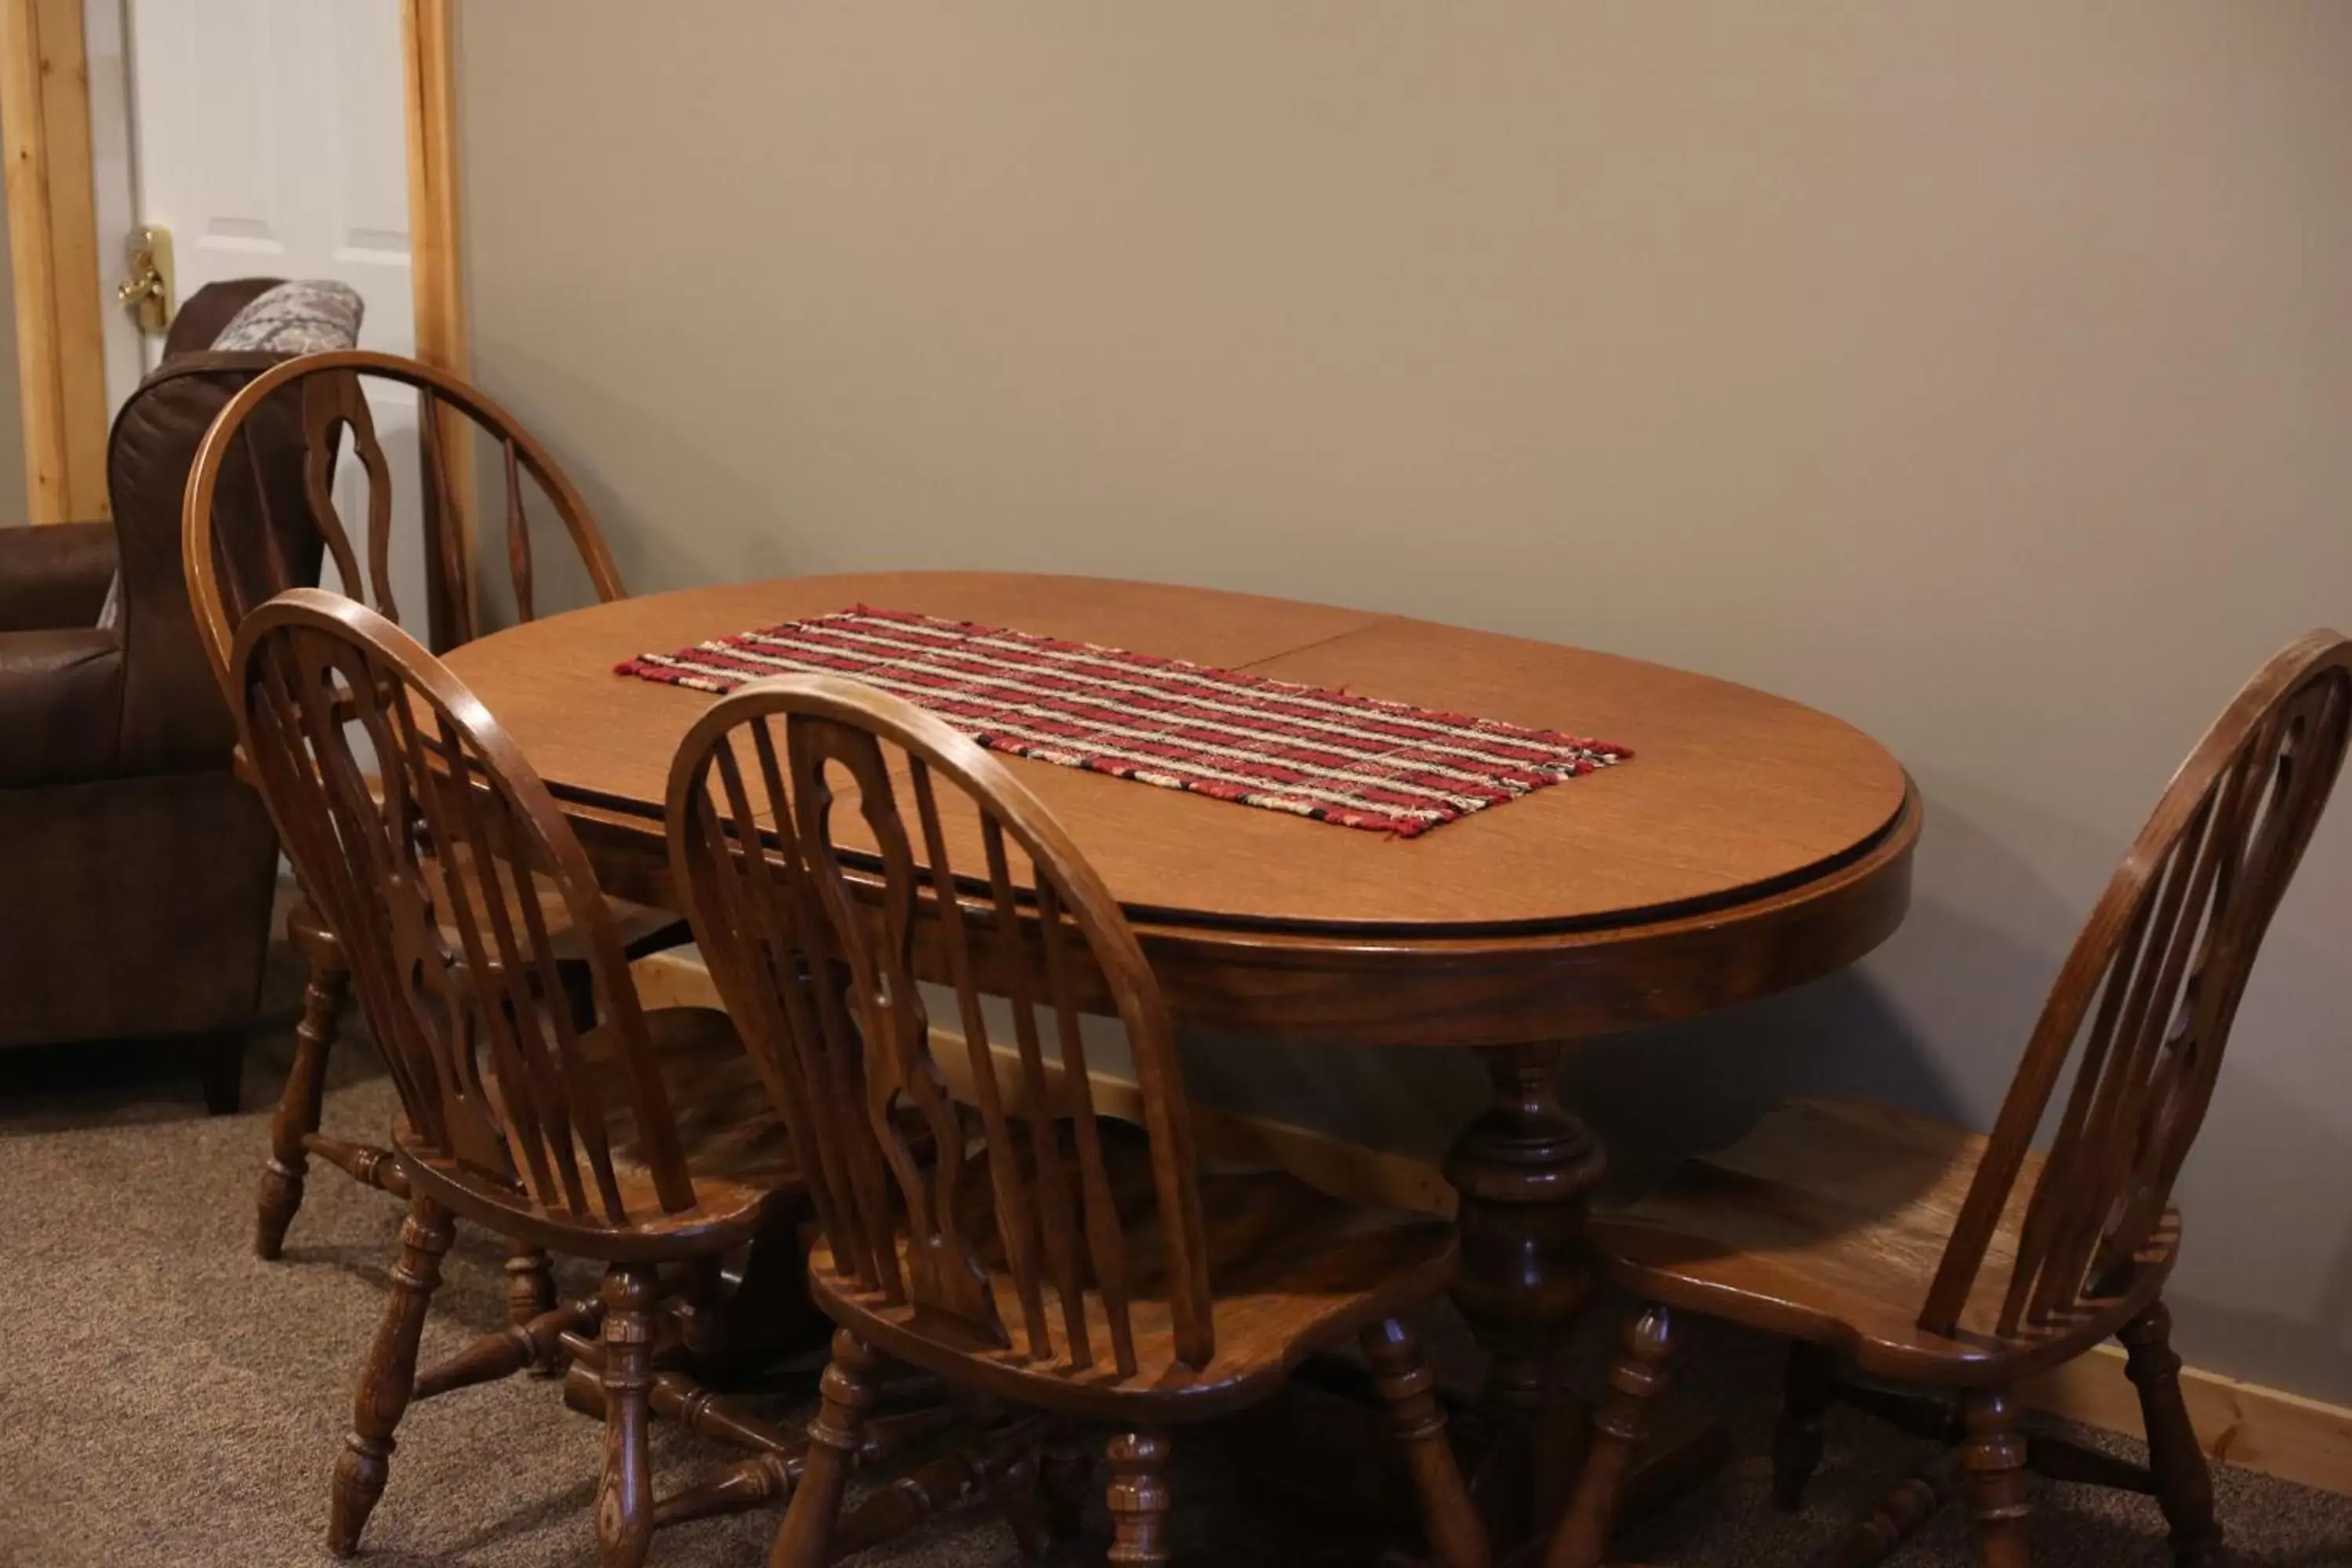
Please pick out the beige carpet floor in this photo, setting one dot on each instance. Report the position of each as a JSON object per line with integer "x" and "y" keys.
{"x": 165, "y": 1399}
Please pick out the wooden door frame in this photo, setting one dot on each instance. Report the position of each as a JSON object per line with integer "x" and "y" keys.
{"x": 428, "y": 43}
{"x": 52, "y": 243}
{"x": 53, "y": 250}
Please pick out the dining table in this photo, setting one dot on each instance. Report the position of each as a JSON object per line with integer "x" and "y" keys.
{"x": 1749, "y": 845}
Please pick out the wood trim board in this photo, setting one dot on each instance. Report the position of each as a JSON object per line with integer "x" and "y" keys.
{"x": 427, "y": 32}
{"x": 53, "y": 249}
{"x": 2265, "y": 1429}
{"x": 427, "y": 36}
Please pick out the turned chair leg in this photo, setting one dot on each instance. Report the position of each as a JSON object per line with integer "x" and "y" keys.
{"x": 530, "y": 1295}
{"x": 531, "y": 1283}
{"x": 1619, "y": 1426}
{"x": 625, "y": 1497}
{"x": 1456, "y": 1532}
{"x": 2184, "y": 1484}
{"x": 834, "y": 1437}
{"x": 1994, "y": 1457}
{"x": 1797, "y": 1437}
{"x": 389, "y": 1377}
{"x": 1140, "y": 1498}
{"x": 306, "y": 1084}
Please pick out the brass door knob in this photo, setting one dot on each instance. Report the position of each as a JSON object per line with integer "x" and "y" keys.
{"x": 148, "y": 294}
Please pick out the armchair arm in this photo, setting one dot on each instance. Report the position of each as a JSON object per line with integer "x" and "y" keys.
{"x": 56, "y": 575}
{"x": 61, "y": 705}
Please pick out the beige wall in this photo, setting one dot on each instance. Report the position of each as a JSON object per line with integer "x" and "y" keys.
{"x": 1981, "y": 373}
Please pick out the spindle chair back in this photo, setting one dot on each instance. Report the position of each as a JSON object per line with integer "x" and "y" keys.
{"x": 827, "y": 982}
{"x": 317, "y": 675}
{"x": 2146, "y": 999}
{"x": 536, "y": 1100}
{"x": 984, "y": 1216}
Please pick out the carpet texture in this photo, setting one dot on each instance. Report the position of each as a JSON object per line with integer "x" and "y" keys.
{"x": 167, "y": 1399}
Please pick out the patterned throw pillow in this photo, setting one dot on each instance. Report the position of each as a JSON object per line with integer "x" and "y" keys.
{"x": 309, "y": 316}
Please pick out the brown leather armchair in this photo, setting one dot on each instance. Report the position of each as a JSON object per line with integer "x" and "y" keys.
{"x": 136, "y": 870}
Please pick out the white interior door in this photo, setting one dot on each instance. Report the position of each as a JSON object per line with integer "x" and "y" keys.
{"x": 270, "y": 136}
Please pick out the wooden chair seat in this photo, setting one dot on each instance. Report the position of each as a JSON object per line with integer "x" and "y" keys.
{"x": 641, "y": 929}
{"x": 736, "y": 1151}
{"x": 1826, "y": 1224}
{"x": 1293, "y": 1271}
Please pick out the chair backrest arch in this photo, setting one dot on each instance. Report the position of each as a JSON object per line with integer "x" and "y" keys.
{"x": 332, "y": 393}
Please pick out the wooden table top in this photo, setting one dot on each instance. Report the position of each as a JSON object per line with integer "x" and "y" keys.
{"x": 1729, "y": 789}
{"x": 1738, "y": 808}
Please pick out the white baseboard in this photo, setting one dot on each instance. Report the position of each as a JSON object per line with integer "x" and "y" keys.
{"x": 2263, "y": 1429}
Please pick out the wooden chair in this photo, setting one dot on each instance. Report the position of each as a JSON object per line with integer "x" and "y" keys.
{"x": 1921, "y": 1255}
{"x": 332, "y": 393}
{"x": 1041, "y": 1255}
{"x": 637, "y": 1139}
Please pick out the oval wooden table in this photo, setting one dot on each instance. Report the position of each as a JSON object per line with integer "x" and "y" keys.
{"x": 1753, "y": 844}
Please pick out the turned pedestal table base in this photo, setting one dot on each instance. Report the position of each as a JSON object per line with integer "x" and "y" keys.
{"x": 1523, "y": 1173}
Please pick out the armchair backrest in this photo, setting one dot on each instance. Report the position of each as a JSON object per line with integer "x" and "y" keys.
{"x": 203, "y": 314}
{"x": 174, "y": 719}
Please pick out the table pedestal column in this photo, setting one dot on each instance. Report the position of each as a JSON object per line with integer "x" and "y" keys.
{"x": 1524, "y": 1173}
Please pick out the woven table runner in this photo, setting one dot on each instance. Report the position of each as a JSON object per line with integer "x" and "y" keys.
{"x": 1330, "y": 755}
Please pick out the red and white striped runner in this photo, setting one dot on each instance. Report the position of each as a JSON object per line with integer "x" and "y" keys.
{"x": 1330, "y": 755}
